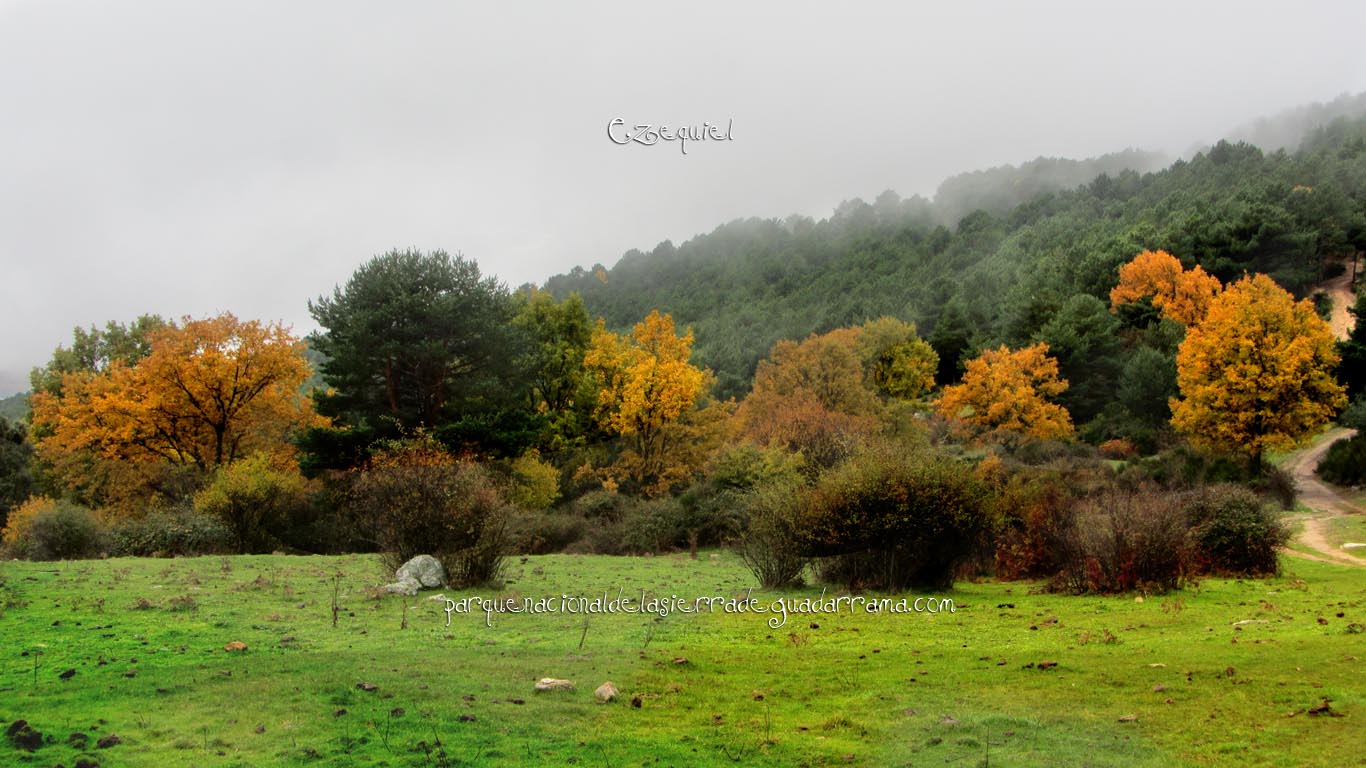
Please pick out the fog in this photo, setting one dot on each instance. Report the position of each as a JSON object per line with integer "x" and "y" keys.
{"x": 189, "y": 158}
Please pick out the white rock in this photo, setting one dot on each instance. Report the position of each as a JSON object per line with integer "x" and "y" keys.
{"x": 424, "y": 569}
{"x": 606, "y": 692}
{"x": 553, "y": 684}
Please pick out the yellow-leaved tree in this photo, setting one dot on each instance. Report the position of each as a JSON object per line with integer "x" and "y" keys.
{"x": 1010, "y": 390}
{"x": 1181, "y": 295}
{"x": 647, "y": 389}
{"x": 1257, "y": 374}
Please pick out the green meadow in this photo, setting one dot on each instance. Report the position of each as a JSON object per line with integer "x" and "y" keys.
{"x": 1229, "y": 672}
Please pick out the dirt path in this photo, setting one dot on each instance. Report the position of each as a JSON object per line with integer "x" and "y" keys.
{"x": 1340, "y": 290}
{"x": 1320, "y": 497}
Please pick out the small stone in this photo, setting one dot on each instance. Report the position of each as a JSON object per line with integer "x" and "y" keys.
{"x": 236, "y": 646}
{"x": 553, "y": 684}
{"x": 607, "y": 692}
{"x": 1128, "y": 719}
{"x": 367, "y": 687}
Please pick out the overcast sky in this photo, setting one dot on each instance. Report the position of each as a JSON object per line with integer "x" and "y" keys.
{"x": 189, "y": 158}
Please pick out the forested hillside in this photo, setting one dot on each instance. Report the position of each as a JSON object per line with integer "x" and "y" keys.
{"x": 994, "y": 277}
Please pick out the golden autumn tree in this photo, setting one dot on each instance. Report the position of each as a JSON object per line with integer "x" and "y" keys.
{"x": 646, "y": 389}
{"x": 1257, "y": 374}
{"x": 810, "y": 396}
{"x": 1004, "y": 389}
{"x": 210, "y": 391}
{"x": 1181, "y": 295}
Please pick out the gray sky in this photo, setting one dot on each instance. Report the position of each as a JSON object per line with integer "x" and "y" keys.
{"x": 189, "y": 158}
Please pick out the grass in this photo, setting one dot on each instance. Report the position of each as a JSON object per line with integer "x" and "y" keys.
{"x": 146, "y": 639}
{"x": 1349, "y": 528}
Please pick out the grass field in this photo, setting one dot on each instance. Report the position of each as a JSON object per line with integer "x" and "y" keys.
{"x": 1224, "y": 674}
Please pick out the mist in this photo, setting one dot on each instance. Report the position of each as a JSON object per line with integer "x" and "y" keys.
{"x": 186, "y": 159}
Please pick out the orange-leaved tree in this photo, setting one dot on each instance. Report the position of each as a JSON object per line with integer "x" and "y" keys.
{"x": 1010, "y": 390}
{"x": 1181, "y": 295}
{"x": 1257, "y": 374}
{"x": 210, "y": 391}
{"x": 810, "y": 396}
{"x": 646, "y": 386}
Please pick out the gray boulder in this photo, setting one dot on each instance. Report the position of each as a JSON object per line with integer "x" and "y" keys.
{"x": 424, "y": 569}
{"x": 404, "y": 586}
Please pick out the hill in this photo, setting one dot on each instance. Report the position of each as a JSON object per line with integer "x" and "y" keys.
{"x": 1002, "y": 269}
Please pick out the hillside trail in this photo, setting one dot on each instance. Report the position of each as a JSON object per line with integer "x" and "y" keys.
{"x": 1324, "y": 501}
{"x": 1339, "y": 289}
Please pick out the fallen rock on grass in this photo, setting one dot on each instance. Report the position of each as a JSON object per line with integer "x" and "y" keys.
{"x": 236, "y": 646}
{"x": 546, "y": 684}
{"x": 426, "y": 570}
{"x": 606, "y": 692}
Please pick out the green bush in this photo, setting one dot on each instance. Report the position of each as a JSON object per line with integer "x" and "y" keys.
{"x": 1345, "y": 462}
{"x": 255, "y": 499}
{"x": 1354, "y": 415}
{"x": 539, "y": 533}
{"x": 714, "y": 507}
{"x": 59, "y": 531}
{"x": 170, "y": 533}
{"x": 1235, "y": 532}
{"x": 771, "y": 546}
{"x": 888, "y": 520}
{"x": 600, "y": 505}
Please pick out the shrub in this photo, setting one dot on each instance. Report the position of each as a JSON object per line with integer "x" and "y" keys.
{"x": 771, "y": 546}
{"x": 714, "y": 507}
{"x": 654, "y": 525}
{"x": 414, "y": 498}
{"x": 1117, "y": 448}
{"x": 1122, "y": 540}
{"x": 1345, "y": 462}
{"x": 539, "y": 533}
{"x": 891, "y": 520}
{"x": 600, "y": 505}
{"x": 44, "y": 529}
{"x": 1278, "y": 485}
{"x": 1235, "y": 531}
{"x": 171, "y": 533}
{"x": 1035, "y": 510}
{"x": 1354, "y": 415}
{"x": 254, "y": 499}
{"x": 535, "y": 482}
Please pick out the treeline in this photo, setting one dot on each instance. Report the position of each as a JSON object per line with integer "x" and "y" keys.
{"x": 995, "y": 277}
